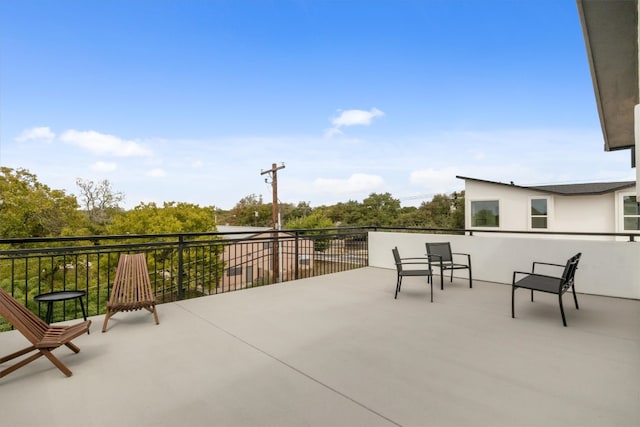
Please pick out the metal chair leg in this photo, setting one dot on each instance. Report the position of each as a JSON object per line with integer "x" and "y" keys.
{"x": 564, "y": 321}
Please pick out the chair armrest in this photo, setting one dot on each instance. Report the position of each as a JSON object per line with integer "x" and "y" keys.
{"x": 463, "y": 254}
{"x": 533, "y": 267}
{"x": 525, "y": 273}
{"x": 413, "y": 263}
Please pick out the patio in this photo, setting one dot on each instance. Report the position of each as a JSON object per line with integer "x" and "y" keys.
{"x": 339, "y": 350}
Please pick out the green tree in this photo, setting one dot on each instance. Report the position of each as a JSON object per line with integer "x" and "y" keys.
{"x": 443, "y": 211}
{"x": 315, "y": 220}
{"x": 380, "y": 209}
{"x": 100, "y": 203}
{"x": 251, "y": 211}
{"x": 172, "y": 217}
{"x": 202, "y": 267}
{"x": 345, "y": 213}
{"x": 29, "y": 208}
{"x": 291, "y": 213}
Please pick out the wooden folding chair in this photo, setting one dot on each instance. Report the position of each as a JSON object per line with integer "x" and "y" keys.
{"x": 131, "y": 288}
{"x": 44, "y": 338}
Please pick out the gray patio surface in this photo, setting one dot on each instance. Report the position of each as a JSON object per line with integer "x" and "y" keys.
{"x": 338, "y": 350}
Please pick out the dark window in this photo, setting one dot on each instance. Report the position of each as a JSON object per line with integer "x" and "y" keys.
{"x": 631, "y": 213}
{"x": 485, "y": 213}
{"x": 539, "y": 213}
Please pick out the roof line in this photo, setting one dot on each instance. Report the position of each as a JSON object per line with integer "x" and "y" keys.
{"x": 592, "y": 188}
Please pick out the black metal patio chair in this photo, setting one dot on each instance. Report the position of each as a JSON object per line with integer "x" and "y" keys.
{"x": 401, "y": 263}
{"x": 440, "y": 256}
{"x": 548, "y": 284}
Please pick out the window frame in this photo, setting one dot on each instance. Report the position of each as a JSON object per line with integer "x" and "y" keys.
{"x": 471, "y": 215}
{"x": 624, "y": 216}
{"x": 531, "y": 216}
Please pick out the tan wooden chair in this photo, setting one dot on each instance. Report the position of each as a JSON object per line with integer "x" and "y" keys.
{"x": 131, "y": 288}
{"x": 44, "y": 338}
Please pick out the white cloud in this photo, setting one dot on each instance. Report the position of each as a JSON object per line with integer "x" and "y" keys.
{"x": 435, "y": 181}
{"x": 331, "y": 132}
{"x": 156, "y": 173}
{"x": 104, "y": 166}
{"x": 103, "y": 144}
{"x": 36, "y": 134}
{"x": 356, "y": 183}
{"x": 356, "y": 117}
{"x": 351, "y": 118}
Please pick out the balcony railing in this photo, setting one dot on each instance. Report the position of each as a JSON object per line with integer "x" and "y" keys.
{"x": 180, "y": 266}
{"x": 189, "y": 265}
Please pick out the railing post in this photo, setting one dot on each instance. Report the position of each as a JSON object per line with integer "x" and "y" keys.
{"x": 180, "y": 266}
{"x": 296, "y": 256}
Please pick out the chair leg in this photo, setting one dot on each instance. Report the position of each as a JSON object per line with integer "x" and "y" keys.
{"x": 107, "y": 315}
{"x": 513, "y": 311}
{"x": 73, "y": 347}
{"x": 20, "y": 364}
{"x": 564, "y": 321}
{"x": 398, "y": 283}
{"x": 575, "y": 299}
{"x": 155, "y": 315}
{"x": 431, "y": 283}
{"x": 47, "y": 353}
{"x": 470, "y": 279}
{"x": 531, "y": 295}
{"x": 17, "y": 354}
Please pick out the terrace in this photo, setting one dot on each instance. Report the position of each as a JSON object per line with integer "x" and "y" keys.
{"x": 337, "y": 349}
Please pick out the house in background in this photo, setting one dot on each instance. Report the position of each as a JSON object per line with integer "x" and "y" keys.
{"x": 605, "y": 207}
{"x": 249, "y": 261}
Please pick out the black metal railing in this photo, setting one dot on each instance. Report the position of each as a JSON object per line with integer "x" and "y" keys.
{"x": 180, "y": 266}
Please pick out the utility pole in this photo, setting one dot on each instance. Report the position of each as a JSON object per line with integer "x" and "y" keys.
{"x": 275, "y": 218}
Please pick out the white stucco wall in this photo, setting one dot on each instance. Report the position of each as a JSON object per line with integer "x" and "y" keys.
{"x": 587, "y": 214}
{"x": 590, "y": 214}
{"x": 608, "y": 268}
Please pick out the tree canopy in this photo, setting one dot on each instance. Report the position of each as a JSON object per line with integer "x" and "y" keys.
{"x": 172, "y": 217}
{"x": 29, "y": 208}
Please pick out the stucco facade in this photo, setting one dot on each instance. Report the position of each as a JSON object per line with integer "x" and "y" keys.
{"x": 578, "y": 208}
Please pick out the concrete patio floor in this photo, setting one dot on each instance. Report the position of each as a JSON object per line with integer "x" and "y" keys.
{"x": 338, "y": 350}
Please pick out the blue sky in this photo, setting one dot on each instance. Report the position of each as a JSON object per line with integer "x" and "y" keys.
{"x": 188, "y": 101}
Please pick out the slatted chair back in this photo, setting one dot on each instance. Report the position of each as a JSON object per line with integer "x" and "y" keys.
{"x": 22, "y": 319}
{"x": 132, "y": 288}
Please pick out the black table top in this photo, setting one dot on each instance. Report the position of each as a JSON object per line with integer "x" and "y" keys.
{"x": 59, "y": 296}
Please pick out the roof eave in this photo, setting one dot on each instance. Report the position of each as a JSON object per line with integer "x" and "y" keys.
{"x": 610, "y": 30}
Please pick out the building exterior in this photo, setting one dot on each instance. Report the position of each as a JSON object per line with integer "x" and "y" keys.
{"x": 608, "y": 207}
{"x": 249, "y": 260}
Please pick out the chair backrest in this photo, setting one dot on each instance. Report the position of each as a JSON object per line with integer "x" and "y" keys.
{"x": 132, "y": 283}
{"x": 396, "y": 257}
{"x": 441, "y": 249}
{"x": 29, "y": 325}
{"x": 569, "y": 273}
